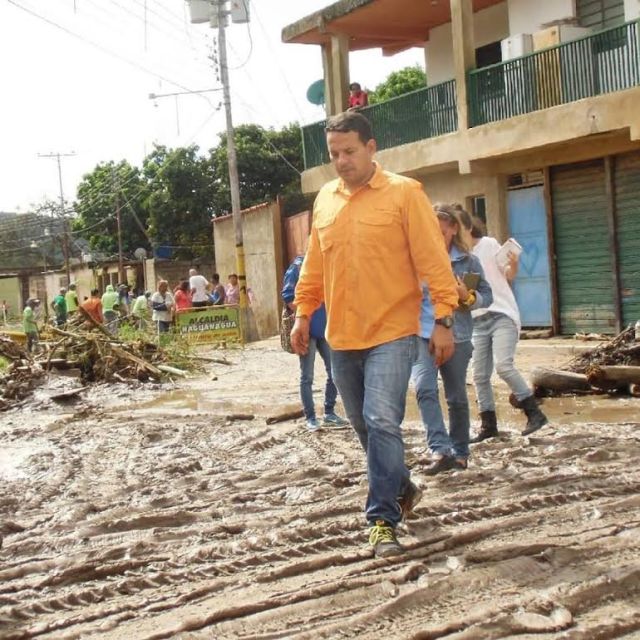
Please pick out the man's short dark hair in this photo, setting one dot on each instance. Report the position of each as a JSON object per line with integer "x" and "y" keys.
{"x": 355, "y": 86}
{"x": 216, "y": 277}
{"x": 95, "y": 292}
{"x": 350, "y": 121}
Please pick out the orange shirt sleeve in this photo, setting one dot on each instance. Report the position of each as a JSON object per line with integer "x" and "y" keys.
{"x": 429, "y": 252}
{"x": 309, "y": 290}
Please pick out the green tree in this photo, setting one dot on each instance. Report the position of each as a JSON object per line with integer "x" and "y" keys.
{"x": 269, "y": 163}
{"x": 182, "y": 192}
{"x": 100, "y": 192}
{"x": 398, "y": 83}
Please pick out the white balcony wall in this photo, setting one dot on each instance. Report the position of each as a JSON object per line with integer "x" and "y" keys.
{"x": 631, "y": 9}
{"x": 489, "y": 25}
{"x": 529, "y": 16}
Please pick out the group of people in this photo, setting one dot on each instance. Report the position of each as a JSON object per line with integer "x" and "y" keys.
{"x": 118, "y": 304}
{"x": 408, "y": 291}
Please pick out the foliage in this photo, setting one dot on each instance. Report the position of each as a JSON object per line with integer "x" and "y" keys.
{"x": 181, "y": 200}
{"x": 398, "y": 83}
{"x": 100, "y": 193}
{"x": 18, "y": 232}
{"x": 262, "y": 171}
{"x": 171, "y": 200}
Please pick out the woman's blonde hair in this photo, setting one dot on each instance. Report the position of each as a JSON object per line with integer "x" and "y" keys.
{"x": 450, "y": 214}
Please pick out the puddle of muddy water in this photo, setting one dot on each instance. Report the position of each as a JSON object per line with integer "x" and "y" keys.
{"x": 563, "y": 410}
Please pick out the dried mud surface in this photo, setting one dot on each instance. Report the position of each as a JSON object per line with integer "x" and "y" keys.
{"x": 146, "y": 514}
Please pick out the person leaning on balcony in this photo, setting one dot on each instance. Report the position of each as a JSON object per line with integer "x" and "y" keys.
{"x": 357, "y": 97}
{"x": 374, "y": 238}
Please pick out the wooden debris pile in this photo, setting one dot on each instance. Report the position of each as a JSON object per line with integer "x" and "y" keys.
{"x": 102, "y": 357}
{"x": 20, "y": 375}
{"x": 610, "y": 367}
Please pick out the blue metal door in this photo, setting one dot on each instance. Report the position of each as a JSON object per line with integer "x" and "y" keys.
{"x": 528, "y": 225}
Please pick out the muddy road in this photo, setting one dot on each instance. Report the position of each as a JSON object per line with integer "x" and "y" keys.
{"x": 144, "y": 513}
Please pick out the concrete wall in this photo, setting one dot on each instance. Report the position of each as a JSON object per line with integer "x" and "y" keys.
{"x": 262, "y": 234}
{"x": 489, "y": 25}
{"x": 631, "y": 9}
{"x": 10, "y": 294}
{"x": 174, "y": 271}
{"x": 450, "y": 187}
{"x": 529, "y": 16}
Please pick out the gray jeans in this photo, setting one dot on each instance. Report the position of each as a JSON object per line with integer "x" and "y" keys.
{"x": 495, "y": 337}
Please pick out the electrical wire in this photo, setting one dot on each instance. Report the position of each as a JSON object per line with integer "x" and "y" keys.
{"x": 98, "y": 46}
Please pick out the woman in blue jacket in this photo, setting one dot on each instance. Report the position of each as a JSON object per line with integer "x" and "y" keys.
{"x": 317, "y": 342}
{"x": 450, "y": 449}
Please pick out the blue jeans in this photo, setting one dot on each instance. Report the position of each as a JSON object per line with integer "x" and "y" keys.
{"x": 495, "y": 337}
{"x": 306, "y": 378}
{"x": 454, "y": 375}
{"x": 373, "y": 386}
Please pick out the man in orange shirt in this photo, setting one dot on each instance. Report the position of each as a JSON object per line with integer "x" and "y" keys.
{"x": 374, "y": 240}
{"x": 93, "y": 306}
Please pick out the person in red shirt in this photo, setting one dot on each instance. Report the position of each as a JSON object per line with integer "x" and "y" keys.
{"x": 93, "y": 306}
{"x": 357, "y": 97}
{"x": 183, "y": 296}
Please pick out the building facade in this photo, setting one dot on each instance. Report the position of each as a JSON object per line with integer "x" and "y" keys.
{"x": 530, "y": 119}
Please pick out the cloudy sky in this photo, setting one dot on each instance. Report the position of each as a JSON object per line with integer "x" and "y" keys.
{"x": 77, "y": 74}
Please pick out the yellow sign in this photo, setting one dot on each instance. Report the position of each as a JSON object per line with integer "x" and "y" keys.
{"x": 209, "y": 324}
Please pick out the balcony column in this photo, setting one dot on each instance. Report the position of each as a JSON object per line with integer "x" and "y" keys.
{"x": 335, "y": 62}
{"x": 464, "y": 54}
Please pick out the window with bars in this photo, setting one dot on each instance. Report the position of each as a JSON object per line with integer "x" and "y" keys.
{"x": 600, "y": 14}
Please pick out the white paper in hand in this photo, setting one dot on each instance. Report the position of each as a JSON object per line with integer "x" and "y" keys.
{"x": 502, "y": 255}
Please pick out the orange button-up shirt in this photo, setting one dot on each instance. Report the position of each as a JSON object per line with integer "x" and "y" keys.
{"x": 368, "y": 253}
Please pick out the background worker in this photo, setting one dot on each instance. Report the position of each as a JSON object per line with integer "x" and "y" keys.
{"x": 29, "y": 324}
{"x": 71, "y": 298}
{"x": 93, "y": 306}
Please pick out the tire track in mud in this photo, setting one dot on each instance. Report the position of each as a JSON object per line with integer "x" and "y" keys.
{"x": 205, "y": 529}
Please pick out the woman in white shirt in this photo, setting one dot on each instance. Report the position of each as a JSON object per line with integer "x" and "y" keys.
{"x": 496, "y": 331}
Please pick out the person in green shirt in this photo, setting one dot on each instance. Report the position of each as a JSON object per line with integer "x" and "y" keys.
{"x": 140, "y": 309}
{"x": 29, "y": 324}
{"x": 59, "y": 305}
{"x": 71, "y": 298}
{"x": 110, "y": 309}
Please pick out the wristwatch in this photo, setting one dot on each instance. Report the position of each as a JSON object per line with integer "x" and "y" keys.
{"x": 445, "y": 321}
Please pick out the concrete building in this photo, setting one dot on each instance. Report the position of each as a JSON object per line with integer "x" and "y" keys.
{"x": 530, "y": 118}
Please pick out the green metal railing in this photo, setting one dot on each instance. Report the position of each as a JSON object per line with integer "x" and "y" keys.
{"x": 600, "y": 63}
{"x": 424, "y": 113}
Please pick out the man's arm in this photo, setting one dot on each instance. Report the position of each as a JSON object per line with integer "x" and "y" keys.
{"x": 309, "y": 294}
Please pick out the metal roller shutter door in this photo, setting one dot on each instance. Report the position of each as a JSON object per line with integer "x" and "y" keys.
{"x": 627, "y": 190}
{"x": 585, "y": 296}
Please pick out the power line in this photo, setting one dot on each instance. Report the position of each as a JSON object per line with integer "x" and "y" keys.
{"x": 98, "y": 46}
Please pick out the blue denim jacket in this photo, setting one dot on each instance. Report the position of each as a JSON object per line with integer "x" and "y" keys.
{"x": 318, "y": 322}
{"x": 461, "y": 263}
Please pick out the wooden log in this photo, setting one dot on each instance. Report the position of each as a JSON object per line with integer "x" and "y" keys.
{"x": 173, "y": 371}
{"x": 283, "y": 417}
{"x": 619, "y": 374}
{"x": 66, "y": 395}
{"x": 240, "y": 416}
{"x": 559, "y": 380}
{"x": 125, "y": 355}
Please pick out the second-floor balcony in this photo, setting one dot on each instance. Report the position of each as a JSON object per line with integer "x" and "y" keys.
{"x": 604, "y": 62}
{"x": 421, "y": 114}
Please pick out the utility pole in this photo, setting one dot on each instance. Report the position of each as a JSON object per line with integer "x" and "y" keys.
{"x": 115, "y": 185}
{"x": 65, "y": 222}
{"x": 233, "y": 166}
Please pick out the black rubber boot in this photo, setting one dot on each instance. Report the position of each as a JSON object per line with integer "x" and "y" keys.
{"x": 535, "y": 418}
{"x": 488, "y": 426}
